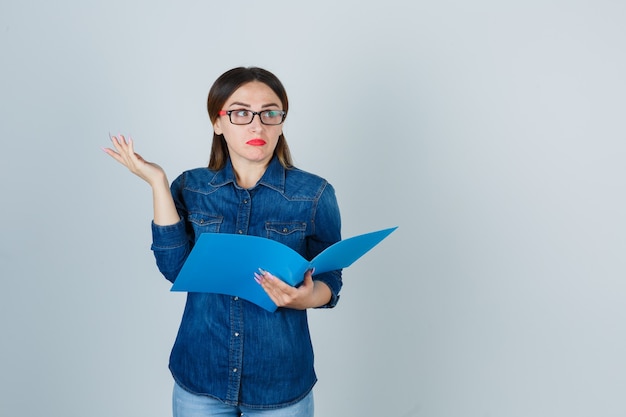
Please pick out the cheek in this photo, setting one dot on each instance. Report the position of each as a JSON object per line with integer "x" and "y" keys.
{"x": 277, "y": 133}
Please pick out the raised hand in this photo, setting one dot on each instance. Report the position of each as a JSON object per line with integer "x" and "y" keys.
{"x": 164, "y": 209}
{"x": 125, "y": 154}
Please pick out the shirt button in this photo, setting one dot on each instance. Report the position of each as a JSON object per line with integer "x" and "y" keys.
{"x": 245, "y": 201}
{"x": 234, "y": 369}
{"x": 240, "y": 231}
{"x": 236, "y": 298}
{"x": 236, "y": 334}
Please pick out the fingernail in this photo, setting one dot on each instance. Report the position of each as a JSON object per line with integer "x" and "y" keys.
{"x": 262, "y": 271}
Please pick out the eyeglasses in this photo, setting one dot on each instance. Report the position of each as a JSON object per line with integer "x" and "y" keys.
{"x": 245, "y": 117}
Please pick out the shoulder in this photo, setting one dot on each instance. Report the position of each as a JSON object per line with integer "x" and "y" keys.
{"x": 200, "y": 173}
{"x": 298, "y": 175}
{"x": 194, "y": 178}
{"x": 298, "y": 181}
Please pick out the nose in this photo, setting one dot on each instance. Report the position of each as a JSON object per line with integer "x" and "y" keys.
{"x": 256, "y": 122}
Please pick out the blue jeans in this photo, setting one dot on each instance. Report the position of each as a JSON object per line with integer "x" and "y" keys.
{"x": 186, "y": 404}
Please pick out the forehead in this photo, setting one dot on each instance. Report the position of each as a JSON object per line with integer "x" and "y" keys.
{"x": 254, "y": 93}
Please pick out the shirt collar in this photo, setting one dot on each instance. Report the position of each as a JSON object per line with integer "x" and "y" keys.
{"x": 274, "y": 176}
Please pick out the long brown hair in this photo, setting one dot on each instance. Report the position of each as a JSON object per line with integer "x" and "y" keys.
{"x": 222, "y": 89}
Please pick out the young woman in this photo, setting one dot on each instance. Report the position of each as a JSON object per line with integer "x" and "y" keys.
{"x": 231, "y": 357}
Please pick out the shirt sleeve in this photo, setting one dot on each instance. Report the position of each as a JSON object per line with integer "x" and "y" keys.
{"x": 171, "y": 244}
{"x": 327, "y": 231}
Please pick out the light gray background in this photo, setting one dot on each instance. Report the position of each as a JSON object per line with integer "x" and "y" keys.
{"x": 491, "y": 132}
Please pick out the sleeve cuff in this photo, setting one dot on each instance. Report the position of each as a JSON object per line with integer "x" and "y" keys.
{"x": 333, "y": 280}
{"x": 169, "y": 236}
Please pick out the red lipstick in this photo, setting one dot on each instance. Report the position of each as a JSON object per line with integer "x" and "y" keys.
{"x": 256, "y": 142}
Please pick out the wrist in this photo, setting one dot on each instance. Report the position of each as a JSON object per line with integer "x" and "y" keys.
{"x": 159, "y": 181}
{"x": 321, "y": 294}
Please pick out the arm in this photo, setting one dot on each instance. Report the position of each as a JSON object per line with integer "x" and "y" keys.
{"x": 323, "y": 291}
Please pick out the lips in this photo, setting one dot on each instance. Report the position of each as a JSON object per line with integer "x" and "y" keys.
{"x": 256, "y": 142}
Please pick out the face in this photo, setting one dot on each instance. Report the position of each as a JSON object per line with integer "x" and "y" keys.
{"x": 253, "y": 143}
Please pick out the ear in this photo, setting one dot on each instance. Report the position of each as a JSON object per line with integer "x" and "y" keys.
{"x": 217, "y": 126}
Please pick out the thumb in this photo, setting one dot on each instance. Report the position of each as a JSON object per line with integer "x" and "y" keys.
{"x": 308, "y": 277}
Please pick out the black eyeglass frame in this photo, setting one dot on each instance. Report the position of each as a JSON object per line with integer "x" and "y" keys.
{"x": 254, "y": 113}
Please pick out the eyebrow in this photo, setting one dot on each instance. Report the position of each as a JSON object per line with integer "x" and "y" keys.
{"x": 239, "y": 103}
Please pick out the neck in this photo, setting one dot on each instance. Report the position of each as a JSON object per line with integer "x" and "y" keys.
{"x": 248, "y": 174}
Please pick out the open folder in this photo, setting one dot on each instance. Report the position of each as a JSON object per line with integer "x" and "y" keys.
{"x": 226, "y": 263}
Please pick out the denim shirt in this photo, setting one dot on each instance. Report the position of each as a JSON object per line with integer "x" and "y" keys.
{"x": 227, "y": 347}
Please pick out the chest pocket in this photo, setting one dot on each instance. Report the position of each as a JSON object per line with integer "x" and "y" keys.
{"x": 204, "y": 223}
{"x": 291, "y": 234}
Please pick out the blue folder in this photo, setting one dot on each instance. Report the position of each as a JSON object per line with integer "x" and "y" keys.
{"x": 226, "y": 263}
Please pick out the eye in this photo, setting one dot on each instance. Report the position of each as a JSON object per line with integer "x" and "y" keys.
{"x": 273, "y": 113}
{"x": 241, "y": 113}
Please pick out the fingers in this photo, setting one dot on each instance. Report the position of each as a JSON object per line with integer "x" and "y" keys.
{"x": 117, "y": 151}
{"x": 123, "y": 145}
{"x": 272, "y": 286}
{"x": 124, "y": 152}
{"x": 283, "y": 294}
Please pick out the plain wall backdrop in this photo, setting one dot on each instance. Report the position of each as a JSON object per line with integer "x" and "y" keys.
{"x": 491, "y": 132}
